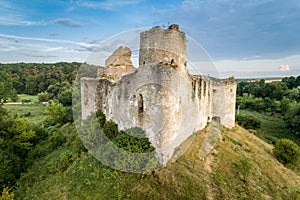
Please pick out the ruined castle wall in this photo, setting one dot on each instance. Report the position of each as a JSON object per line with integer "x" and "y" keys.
{"x": 201, "y": 87}
{"x": 116, "y": 72}
{"x": 88, "y": 94}
{"x": 223, "y": 102}
{"x": 104, "y": 88}
{"x": 121, "y": 56}
{"x": 167, "y": 105}
{"x": 158, "y": 99}
{"x": 230, "y": 100}
{"x": 117, "y": 65}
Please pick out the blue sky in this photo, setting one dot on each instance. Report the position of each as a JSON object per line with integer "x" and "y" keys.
{"x": 244, "y": 38}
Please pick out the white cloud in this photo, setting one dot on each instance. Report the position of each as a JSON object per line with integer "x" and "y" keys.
{"x": 48, "y": 40}
{"x": 10, "y": 15}
{"x": 54, "y": 48}
{"x": 259, "y": 67}
{"x": 10, "y": 48}
{"x": 17, "y": 20}
{"x": 67, "y": 22}
{"x": 29, "y": 49}
{"x": 106, "y": 4}
{"x": 284, "y": 68}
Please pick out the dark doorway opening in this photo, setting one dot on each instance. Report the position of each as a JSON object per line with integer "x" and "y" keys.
{"x": 217, "y": 119}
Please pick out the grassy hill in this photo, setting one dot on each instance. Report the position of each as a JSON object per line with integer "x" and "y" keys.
{"x": 241, "y": 166}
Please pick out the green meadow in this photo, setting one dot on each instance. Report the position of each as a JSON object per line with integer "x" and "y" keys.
{"x": 31, "y": 112}
{"x": 272, "y": 128}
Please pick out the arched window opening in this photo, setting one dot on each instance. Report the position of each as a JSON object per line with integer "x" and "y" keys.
{"x": 141, "y": 109}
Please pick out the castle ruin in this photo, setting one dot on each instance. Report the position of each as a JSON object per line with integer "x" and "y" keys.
{"x": 160, "y": 96}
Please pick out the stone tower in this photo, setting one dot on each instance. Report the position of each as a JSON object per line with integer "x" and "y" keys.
{"x": 163, "y": 46}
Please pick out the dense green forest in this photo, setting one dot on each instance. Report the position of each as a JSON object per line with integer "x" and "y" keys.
{"x": 52, "y": 140}
{"x": 278, "y": 99}
{"x": 32, "y": 78}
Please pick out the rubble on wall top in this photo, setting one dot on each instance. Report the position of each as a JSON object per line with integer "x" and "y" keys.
{"x": 174, "y": 27}
{"x": 230, "y": 80}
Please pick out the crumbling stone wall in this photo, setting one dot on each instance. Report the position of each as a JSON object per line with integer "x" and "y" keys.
{"x": 89, "y": 88}
{"x": 118, "y": 64}
{"x": 223, "y": 101}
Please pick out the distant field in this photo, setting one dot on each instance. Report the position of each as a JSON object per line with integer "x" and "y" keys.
{"x": 32, "y": 98}
{"x": 272, "y": 128}
{"x": 32, "y": 112}
{"x": 267, "y": 79}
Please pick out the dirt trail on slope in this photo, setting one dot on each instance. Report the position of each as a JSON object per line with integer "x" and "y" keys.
{"x": 207, "y": 166}
{"x": 213, "y": 135}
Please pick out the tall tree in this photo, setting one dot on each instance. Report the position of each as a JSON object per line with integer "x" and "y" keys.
{"x": 56, "y": 113}
{"x": 6, "y": 87}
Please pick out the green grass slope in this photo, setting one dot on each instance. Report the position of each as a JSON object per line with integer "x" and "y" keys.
{"x": 241, "y": 166}
{"x": 272, "y": 128}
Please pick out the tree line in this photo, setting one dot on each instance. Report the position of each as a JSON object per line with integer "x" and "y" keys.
{"x": 32, "y": 78}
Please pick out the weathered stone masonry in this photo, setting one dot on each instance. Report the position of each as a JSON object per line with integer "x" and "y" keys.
{"x": 159, "y": 96}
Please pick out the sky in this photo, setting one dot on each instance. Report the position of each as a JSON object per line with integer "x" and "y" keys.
{"x": 243, "y": 38}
